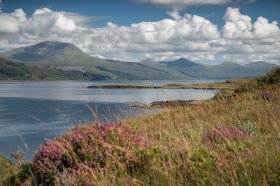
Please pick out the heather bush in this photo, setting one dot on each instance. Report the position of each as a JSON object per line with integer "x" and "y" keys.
{"x": 91, "y": 149}
{"x": 223, "y": 134}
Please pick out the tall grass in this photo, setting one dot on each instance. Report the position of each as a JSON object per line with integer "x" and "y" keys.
{"x": 230, "y": 140}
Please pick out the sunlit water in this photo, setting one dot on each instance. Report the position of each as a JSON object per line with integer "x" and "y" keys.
{"x": 31, "y": 112}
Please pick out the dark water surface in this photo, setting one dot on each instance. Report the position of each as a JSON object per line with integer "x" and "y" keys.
{"x": 31, "y": 112}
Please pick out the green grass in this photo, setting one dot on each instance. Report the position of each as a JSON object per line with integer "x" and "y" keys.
{"x": 233, "y": 139}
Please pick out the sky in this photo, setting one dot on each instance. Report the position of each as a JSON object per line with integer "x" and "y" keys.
{"x": 205, "y": 31}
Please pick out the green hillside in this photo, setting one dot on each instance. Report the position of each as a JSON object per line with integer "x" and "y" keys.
{"x": 17, "y": 71}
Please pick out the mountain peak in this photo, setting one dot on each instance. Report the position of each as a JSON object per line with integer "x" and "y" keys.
{"x": 182, "y": 59}
{"x": 54, "y": 46}
{"x": 181, "y": 63}
{"x": 44, "y": 51}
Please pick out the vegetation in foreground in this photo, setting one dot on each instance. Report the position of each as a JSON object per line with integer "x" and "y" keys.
{"x": 233, "y": 139}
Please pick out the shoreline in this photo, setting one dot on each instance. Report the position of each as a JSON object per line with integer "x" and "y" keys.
{"x": 230, "y": 84}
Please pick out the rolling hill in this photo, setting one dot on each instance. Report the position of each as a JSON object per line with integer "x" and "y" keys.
{"x": 18, "y": 71}
{"x": 66, "y": 57}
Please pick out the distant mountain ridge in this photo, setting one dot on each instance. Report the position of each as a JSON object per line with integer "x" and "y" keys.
{"x": 66, "y": 56}
{"x": 188, "y": 68}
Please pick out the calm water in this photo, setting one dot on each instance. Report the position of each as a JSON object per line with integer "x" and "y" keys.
{"x": 31, "y": 112}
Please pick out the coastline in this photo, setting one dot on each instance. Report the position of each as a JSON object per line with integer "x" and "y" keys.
{"x": 230, "y": 84}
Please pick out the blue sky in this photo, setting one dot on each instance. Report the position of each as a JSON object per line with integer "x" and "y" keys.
{"x": 125, "y": 12}
{"x": 205, "y": 31}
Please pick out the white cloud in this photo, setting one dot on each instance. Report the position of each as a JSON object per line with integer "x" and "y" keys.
{"x": 248, "y": 40}
{"x": 265, "y": 30}
{"x": 189, "y": 36}
{"x": 239, "y": 26}
{"x": 20, "y": 14}
{"x": 9, "y": 24}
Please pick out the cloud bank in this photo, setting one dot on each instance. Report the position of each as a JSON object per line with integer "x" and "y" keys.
{"x": 240, "y": 39}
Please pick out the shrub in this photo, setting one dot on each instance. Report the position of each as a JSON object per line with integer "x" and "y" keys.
{"x": 95, "y": 148}
{"x": 269, "y": 80}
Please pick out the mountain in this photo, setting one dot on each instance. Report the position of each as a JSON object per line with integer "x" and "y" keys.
{"x": 186, "y": 68}
{"x": 176, "y": 67}
{"x": 149, "y": 62}
{"x": 10, "y": 70}
{"x": 224, "y": 70}
{"x": 68, "y": 57}
{"x": 45, "y": 51}
{"x": 230, "y": 70}
{"x": 260, "y": 67}
{"x": 181, "y": 66}
{"x": 180, "y": 63}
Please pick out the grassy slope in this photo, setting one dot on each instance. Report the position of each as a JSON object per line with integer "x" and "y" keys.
{"x": 17, "y": 71}
{"x": 230, "y": 140}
